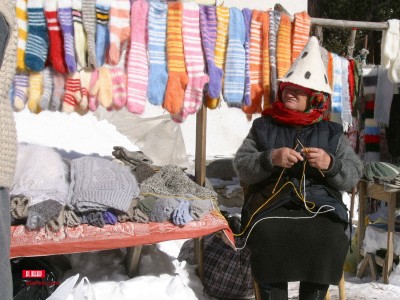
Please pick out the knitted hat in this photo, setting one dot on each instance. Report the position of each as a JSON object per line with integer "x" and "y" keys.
{"x": 308, "y": 70}
{"x": 381, "y": 170}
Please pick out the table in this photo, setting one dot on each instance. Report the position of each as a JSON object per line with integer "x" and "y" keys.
{"x": 376, "y": 191}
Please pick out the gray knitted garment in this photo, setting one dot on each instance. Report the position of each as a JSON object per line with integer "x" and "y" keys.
{"x": 172, "y": 181}
{"x": 99, "y": 184}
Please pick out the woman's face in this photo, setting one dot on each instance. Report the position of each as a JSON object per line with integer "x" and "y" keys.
{"x": 294, "y": 98}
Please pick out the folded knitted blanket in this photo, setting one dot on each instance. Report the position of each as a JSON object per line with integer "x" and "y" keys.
{"x": 99, "y": 184}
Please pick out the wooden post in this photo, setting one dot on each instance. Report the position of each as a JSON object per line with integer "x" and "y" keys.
{"x": 352, "y": 39}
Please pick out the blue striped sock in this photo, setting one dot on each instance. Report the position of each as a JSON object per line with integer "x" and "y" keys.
{"x": 247, "y": 13}
{"x": 65, "y": 19}
{"x": 235, "y": 60}
{"x": 38, "y": 41}
{"x": 102, "y": 32}
{"x": 158, "y": 72}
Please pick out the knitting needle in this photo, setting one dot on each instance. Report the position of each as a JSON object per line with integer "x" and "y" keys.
{"x": 280, "y": 176}
{"x": 306, "y": 150}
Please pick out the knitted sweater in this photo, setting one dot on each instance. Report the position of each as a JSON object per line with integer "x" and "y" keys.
{"x": 8, "y": 136}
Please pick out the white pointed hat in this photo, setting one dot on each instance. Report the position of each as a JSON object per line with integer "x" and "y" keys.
{"x": 308, "y": 69}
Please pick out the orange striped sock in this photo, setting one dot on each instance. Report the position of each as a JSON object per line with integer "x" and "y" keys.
{"x": 330, "y": 70}
{"x": 301, "y": 33}
{"x": 283, "y": 46}
{"x": 177, "y": 76}
{"x": 267, "y": 104}
{"x": 256, "y": 63}
{"x": 21, "y": 14}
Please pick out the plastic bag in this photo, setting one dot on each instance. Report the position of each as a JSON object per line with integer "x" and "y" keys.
{"x": 82, "y": 291}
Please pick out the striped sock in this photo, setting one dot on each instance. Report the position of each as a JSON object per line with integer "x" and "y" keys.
{"x": 35, "y": 91}
{"x": 72, "y": 95}
{"x": 118, "y": 87}
{"x": 266, "y": 66}
{"x": 80, "y": 41}
{"x": 102, "y": 33}
{"x": 58, "y": 91}
{"x": 194, "y": 62}
{"x": 38, "y": 40}
{"x": 47, "y": 89}
{"x": 235, "y": 60}
{"x": 208, "y": 31}
{"x": 256, "y": 64}
{"x": 215, "y": 71}
{"x": 247, "y": 13}
{"x": 102, "y": 89}
{"x": 138, "y": 68}
{"x": 20, "y": 90}
{"x": 158, "y": 72}
{"x": 65, "y": 19}
{"x": 119, "y": 27}
{"x": 56, "y": 50}
{"x": 85, "y": 77}
{"x": 22, "y": 21}
{"x": 283, "y": 46}
{"x": 177, "y": 77}
{"x": 93, "y": 103}
{"x": 301, "y": 33}
{"x": 89, "y": 23}
{"x": 274, "y": 19}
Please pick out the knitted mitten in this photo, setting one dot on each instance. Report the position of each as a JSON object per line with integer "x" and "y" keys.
{"x": 41, "y": 213}
{"x": 235, "y": 60}
{"x": 35, "y": 91}
{"x": 119, "y": 27}
{"x": 47, "y": 89}
{"x": 181, "y": 215}
{"x": 73, "y": 94}
{"x": 71, "y": 219}
{"x": 56, "y": 223}
{"x": 96, "y": 219}
{"x": 118, "y": 87}
{"x": 56, "y": 50}
{"x": 283, "y": 46}
{"x": 109, "y": 218}
{"x": 85, "y": 77}
{"x": 247, "y": 13}
{"x": 301, "y": 33}
{"x": 89, "y": 24}
{"x": 256, "y": 64}
{"x": 137, "y": 60}
{"x": 22, "y": 22}
{"x": 103, "y": 88}
{"x": 93, "y": 101}
{"x": 147, "y": 204}
{"x": 139, "y": 216}
{"x": 163, "y": 209}
{"x": 20, "y": 90}
{"x": 199, "y": 208}
{"x": 65, "y": 19}
{"x": 19, "y": 207}
{"x": 177, "y": 77}
{"x": 58, "y": 91}
{"x": 80, "y": 40}
{"x": 158, "y": 73}
{"x": 102, "y": 32}
{"x": 38, "y": 40}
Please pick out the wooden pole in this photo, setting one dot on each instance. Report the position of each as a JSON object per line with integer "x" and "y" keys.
{"x": 352, "y": 42}
{"x": 378, "y": 26}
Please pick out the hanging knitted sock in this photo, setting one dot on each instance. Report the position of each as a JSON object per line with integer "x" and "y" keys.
{"x": 20, "y": 90}
{"x": 65, "y": 19}
{"x": 103, "y": 87}
{"x": 208, "y": 31}
{"x": 337, "y": 84}
{"x": 47, "y": 89}
{"x": 38, "y": 40}
{"x": 215, "y": 71}
{"x": 181, "y": 215}
{"x": 58, "y": 91}
{"x": 73, "y": 94}
{"x": 35, "y": 91}
{"x": 22, "y": 23}
{"x": 56, "y": 50}
{"x": 256, "y": 64}
{"x": 266, "y": 65}
{"x": 119, "y": 27}
{"x": 247, "y": 13}
{"x": 158, "y": 73}
{"x": 194, "y": 62}
{"x": 80, "y": 40}
{"x": 235, "y": 60}
{"x": 93, "y": 102}
{"x": 89, "y": 24}
{"x": 283, "y": 46}
{"x": 301, "y": 33}
{"x": 394, "y": 71}
{"x": 85, "y": 77}
{"x": 138, "y": 68}
{"x": 177, "y": 77}
{"x": 118, "y": 87}
{"x": 390, "y": 43}
{"x": 102, "y": 33}
{"x": 274, "y": 19}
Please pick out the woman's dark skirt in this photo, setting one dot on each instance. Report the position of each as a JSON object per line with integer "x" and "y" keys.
{"x": 284, "y": 250}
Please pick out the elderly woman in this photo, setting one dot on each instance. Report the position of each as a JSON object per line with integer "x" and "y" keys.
{"x": 295, "y": 164}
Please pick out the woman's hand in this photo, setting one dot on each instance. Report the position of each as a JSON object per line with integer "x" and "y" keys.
{"x": 317, "y": 158}
{"x": 285, "y": 157}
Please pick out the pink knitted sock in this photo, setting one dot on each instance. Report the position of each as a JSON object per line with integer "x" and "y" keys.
{"x": 138, "y": 68}
{"x": 118, "y": 87}
{"x": 119, "y": 28}
{"x": 194, "y": 62}
{"x": 93, "y": 102}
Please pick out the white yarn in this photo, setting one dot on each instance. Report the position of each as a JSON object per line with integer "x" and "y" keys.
{"x": 390, "y": 43}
